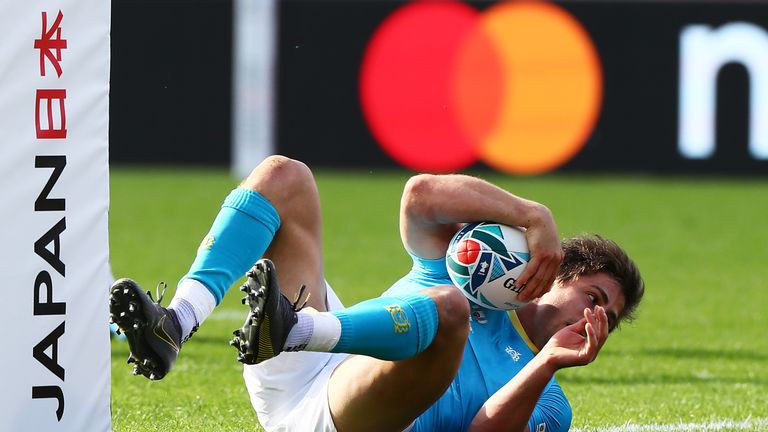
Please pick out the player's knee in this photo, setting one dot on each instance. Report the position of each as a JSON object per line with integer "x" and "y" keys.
{"x": 278, "y": 170}
{"x": 417, "y": 194}
{"x": 452, "y": 309}
{"x": 279, "y": 177}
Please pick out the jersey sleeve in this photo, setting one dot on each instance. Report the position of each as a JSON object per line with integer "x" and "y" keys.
{"x": 425, "y": 273}
{"x": 552, "y": 412}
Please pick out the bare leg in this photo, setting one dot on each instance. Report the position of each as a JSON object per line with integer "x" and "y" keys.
{"x": 297, "y": 247}
{"x": 364, "y": 393}
{"x": 376, "y": 395}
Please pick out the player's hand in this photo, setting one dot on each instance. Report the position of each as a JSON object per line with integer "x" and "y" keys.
{"x": 546, "y": 255}
{"x": 578, "y": 343}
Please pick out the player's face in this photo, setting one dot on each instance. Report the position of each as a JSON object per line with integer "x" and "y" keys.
{"x": 564, "y": 304}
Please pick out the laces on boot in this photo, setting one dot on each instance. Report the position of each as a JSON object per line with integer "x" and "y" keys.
{"x": 160, "y": 290}
{"x": 295, "y": 306}
{"x": 159, "y": 294}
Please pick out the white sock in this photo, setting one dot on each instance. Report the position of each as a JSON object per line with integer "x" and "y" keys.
{"x": 314, "y": 331}
{"x": 193, "y": 303}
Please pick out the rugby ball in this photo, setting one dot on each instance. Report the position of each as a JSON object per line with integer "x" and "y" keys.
{"x": 484, "y": 260}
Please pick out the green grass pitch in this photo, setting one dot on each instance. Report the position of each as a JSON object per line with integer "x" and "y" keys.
{"x": 698, "y": 353}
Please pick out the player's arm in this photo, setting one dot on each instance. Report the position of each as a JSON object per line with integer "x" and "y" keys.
{"x": 433, "y": 206}
{"x": 510, "y": 408}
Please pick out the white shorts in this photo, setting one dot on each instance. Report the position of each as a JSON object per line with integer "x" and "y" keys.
{"x": 290, "y": 391}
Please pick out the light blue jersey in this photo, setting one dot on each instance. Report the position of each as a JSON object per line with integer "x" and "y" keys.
{"x": 496, "y": 350}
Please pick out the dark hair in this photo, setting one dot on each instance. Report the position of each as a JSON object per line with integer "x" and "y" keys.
{"x": 589, "y": 254}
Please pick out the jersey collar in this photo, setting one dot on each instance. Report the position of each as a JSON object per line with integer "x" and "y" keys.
{"x": 521, "y": 331}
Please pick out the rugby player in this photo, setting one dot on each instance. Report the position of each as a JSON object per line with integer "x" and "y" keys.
{"x": 419, "y": 358}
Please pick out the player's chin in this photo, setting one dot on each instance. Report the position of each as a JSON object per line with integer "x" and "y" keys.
{"x": 559, "y": 328}
{"x": 569, "y": 323}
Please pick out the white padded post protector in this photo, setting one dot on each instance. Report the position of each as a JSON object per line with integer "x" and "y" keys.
{"x": 54, "y": 197}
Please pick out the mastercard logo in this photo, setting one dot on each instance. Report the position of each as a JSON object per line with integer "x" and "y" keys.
{"x": 517, "y": 86}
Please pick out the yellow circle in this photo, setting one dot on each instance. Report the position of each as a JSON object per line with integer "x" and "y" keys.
{"x": 553, "y": 87}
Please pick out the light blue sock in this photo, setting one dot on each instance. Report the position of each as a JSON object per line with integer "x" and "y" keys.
{"x": 241, "y": 232}
{"x": 388, "y": 328}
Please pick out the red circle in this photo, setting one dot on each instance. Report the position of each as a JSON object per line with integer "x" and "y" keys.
{"x": 467, "y": 251}
{"x": 517, "y": 86}
{"x": 407, "y": 85}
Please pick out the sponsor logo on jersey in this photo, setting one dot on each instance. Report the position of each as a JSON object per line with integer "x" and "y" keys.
{"x": 512, "y": 353}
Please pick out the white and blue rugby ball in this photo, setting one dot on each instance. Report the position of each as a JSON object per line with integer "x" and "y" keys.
{"x": 484, "y": 260}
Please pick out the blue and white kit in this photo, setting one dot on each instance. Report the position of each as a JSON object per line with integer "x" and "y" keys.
{"x": 289, "y": 393}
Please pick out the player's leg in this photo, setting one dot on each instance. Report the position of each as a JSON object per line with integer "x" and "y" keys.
{"x": 389, "y": 328}
{"x": 297, "y": 247}
{"x": 370, "y": 394}
{"x": 244, "y": 228}
{"x": 418, "y": 337}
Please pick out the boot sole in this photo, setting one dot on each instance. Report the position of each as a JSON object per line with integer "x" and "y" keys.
{"x": 253, "y": 337}
{"x": 132, "y": 312}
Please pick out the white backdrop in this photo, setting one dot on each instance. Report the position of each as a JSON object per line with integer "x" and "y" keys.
{"x": 54, "y": 100}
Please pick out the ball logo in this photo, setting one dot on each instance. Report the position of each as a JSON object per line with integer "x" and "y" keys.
{"x": 510, "y": 285}
{"x": 517, "y": 86}
{"x": 467, "y": 251}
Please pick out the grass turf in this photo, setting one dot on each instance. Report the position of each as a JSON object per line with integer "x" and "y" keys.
{"x": 697, "y": 353}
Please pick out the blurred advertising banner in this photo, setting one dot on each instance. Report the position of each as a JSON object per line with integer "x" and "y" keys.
{"x": 525, "y": 87}
{"x": 54, "y": 113}
{"x": 253, "y": 61}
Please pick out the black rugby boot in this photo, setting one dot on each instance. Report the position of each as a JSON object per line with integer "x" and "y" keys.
{"x": 153, "y": 332}
{"x": 270, "y": 318}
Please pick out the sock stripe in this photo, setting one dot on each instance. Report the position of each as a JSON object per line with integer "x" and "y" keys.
{"x": 347, "y": 332}
{"x": 423, "y": 307}
{"x": 254, "y": 205}
{"x": 185, "y": 314}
